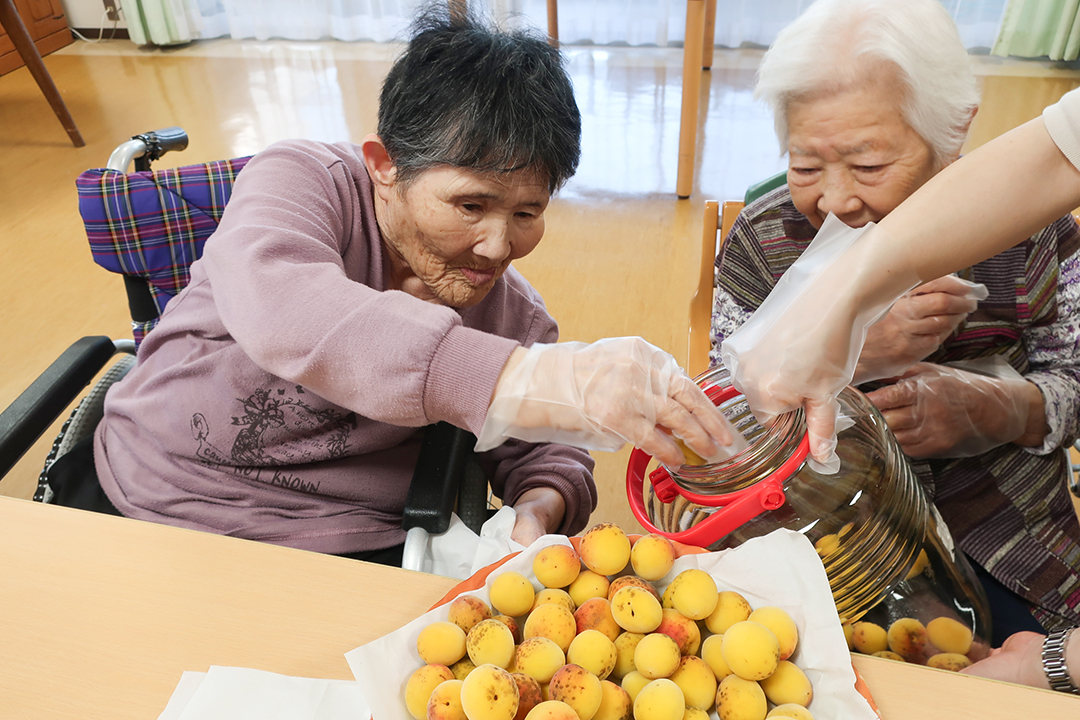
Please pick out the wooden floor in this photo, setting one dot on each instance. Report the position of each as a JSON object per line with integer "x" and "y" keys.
{"x": 620, "y": 256}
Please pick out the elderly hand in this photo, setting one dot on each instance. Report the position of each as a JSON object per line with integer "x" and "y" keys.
{"x": 1018, "y": 660}
{"x": 599, "y": 396}
{"x": 936, "y": 411}
{"x": 539, "y": 512}
{"x": 915, "y": 326}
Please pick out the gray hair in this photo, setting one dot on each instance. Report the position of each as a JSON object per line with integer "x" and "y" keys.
{"x": 827, "y": 49}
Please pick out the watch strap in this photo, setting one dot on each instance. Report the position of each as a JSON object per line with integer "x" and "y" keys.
{"x": 1053, "y": 659}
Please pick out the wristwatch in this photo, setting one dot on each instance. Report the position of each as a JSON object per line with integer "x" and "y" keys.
{"x": 1053, "y": 659}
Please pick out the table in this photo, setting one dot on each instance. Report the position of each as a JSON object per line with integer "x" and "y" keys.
{"x": 16, "y": 30}
{"x": 100, "y": 615}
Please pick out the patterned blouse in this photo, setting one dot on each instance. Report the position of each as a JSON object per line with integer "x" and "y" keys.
{"x": 1009, "y": 508}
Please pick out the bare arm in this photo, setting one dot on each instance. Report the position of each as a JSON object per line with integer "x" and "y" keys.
{"x": 986, "y": 202}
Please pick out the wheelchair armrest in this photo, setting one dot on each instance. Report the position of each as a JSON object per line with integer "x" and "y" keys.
{"x": 437, "y": 477}
{"x": 30, "y": 415}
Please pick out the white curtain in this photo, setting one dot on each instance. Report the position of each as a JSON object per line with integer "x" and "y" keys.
{"x": 600, "y": 22}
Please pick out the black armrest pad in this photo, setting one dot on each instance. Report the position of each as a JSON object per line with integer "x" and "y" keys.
{"x": 435, "y": 481}
{"x": 30, "y": 415}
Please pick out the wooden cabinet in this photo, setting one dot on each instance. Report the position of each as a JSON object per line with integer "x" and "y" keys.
{"x": 48, "y": 28}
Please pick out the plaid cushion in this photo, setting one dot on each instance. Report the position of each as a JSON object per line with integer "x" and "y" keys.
{"x": 153, "y": 224}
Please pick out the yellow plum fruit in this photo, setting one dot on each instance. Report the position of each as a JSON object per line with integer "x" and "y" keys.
{"x": 539, "y": 658}
{"x": 738, "y": 699}
{"x": 907, "y": 637}
{"x": 529, "y": 694}
{"x": 888, "y": 655}
{"x": 595, "y": 614}
{"x": 949, "y": 636}
{"x": 656, "y": 656}
{"x": 849, "y": 635}
{"x": 463, "y": 667}
{"x": 827, "y": 545}
{"x": 652, "y": 557}
{"x": 467, "y": 610}
{"x": 751, "y": 650}
{"x": 731, "y": 607}
{"x": 593, "y": 651}
{"x": 783, "y": 627}
{"x": 615, "y": 703}
{"x": 552, "y": 710}
{"x": 420, "y": 686}
{"x": 636, "y": 610}
{"x": 554, "y": 596}
{"x": 666, "y": 599}
{"x": 556, "y": 566}
{"x": 711, "y": 654}
{"x": 620, "y": 582}
{"x": 632, "y": 683}
{"x": 489, "y": 693}
{"x": 513, "y": 626}
{"x": 445, "y": 701}
{"x": 490, "y": 642}
{"x": 605, "y": 549}
{"x": 694, "y": 593}
{"x": 659, "y": 700}
{"x": 578, "y": 688}
{"x": 695, "y": 678}
{"x": 791, "y": 710}
{"x": 692, "y": 713}
{"x": 587, "y": 586}
{"x": 684, "y": 631}
{"x": 788, "y": 684}
{"x": 625, "y": 645}
{"x": 511, "y": 593}
{"x": 919, "y": 565}
{"x": 948, "y": 661}
{"x": 869, "y": 638}
{"x": 441, "y": 643}
{"x": 552, "y": 621}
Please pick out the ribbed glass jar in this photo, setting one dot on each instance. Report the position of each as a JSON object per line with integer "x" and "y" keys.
{"x": 885, "y": 548}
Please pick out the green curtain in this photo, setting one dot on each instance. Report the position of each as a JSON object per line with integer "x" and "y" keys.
{"x": 159, "y": 22}
{"x": 1040, "y": 28}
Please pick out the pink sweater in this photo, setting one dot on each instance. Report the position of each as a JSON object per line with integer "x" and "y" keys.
{"x": 279, "y": 398}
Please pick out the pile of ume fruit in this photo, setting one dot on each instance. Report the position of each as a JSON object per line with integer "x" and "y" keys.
{"x": 598, "y": 644}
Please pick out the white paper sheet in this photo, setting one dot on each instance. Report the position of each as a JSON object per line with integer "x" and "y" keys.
{"x": 459, "y": 552}
{"x": 229, "y": 693}
{"x": 780, "y": 569}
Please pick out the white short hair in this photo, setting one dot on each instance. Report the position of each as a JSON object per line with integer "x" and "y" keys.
{"x": 827, "y": 49}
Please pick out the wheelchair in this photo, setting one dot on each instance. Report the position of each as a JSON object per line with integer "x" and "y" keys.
{"x": 149, "y": 226}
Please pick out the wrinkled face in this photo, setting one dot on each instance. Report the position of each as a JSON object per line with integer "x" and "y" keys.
{"x": 852, "y": 154}
{"x": 451, "y": 232}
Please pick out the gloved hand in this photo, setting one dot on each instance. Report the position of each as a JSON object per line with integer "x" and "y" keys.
{"x": 599, "y": 396}
{"x": 942, "y": 411}
{"x": 915, "y": 326}
{"x": 799, "y": 349}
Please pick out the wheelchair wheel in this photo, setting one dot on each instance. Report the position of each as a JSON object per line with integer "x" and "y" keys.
{"x": 81, "y": 423}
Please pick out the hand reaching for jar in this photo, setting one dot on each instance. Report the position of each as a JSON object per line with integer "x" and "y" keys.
{"x": 602, "y": 395}
{"x": 939, "y": 411}
{"x": 915, "y": 326}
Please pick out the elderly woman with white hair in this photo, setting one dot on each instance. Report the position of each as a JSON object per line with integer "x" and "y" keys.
{"x": 871, "y": 99}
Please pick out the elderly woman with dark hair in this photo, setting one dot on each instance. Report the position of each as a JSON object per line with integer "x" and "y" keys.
{"x": 354, "y": 293}
{"x": 872, "y": 98}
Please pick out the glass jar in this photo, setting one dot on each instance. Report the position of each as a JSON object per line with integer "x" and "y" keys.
{"x": 885, "y": 548}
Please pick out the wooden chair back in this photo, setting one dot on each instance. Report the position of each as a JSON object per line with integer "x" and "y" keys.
{"x": 717, "y": 224}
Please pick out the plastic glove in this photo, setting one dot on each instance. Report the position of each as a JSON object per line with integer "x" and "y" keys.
{"x": 602, "y": 395}
{"x": 915, "y": 326}
{"x": 943, "y": 411}
{"x": 799, "y": 349}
